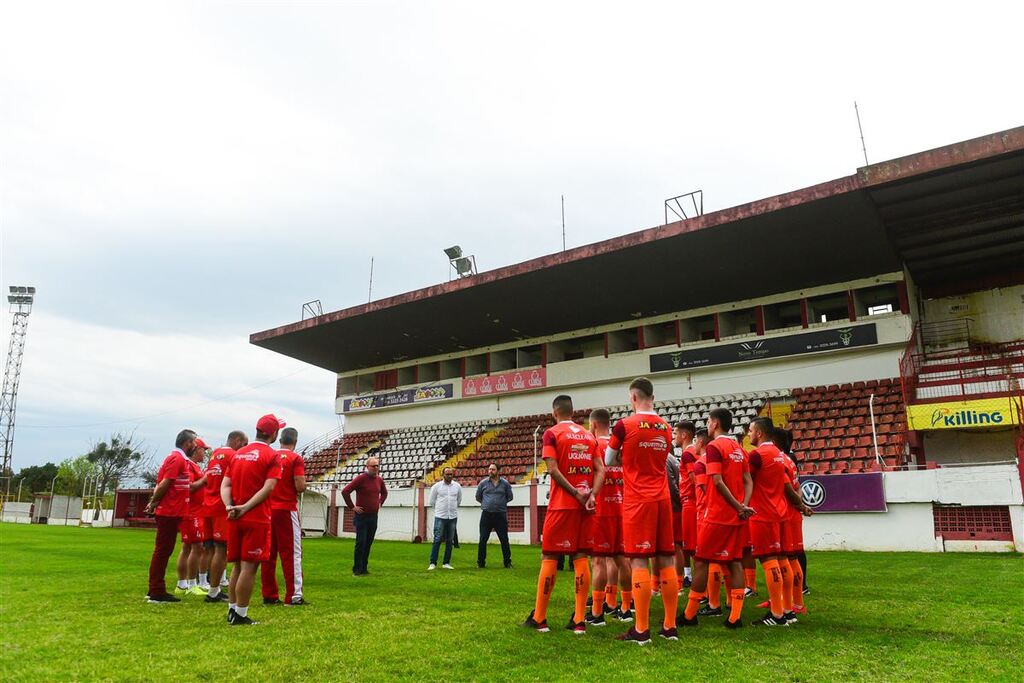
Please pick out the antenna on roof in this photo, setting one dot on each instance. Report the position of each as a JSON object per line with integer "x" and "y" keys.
{"x": 369, "y": 294}
{"x": 563, "y": 222}
{"x": 862, "y": 145}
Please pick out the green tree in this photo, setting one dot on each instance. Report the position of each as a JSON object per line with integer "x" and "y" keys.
{"x": 34, "y": 479}
{"x": 72, "y": 475}
{"x": 120, "y": 459}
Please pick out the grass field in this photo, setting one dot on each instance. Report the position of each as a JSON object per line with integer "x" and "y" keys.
{"x": 71, "y": 608}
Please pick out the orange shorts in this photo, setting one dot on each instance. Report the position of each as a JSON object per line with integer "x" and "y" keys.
{"x": 765, "y": 538}
{"x": 677, "y": 527}
{"x": 567, "y": 532}
{"x": 746, "y": 535}
{"x": 216, "y": 528}
{"x": 191, "y": 529}
{"x": 720, "y": 542}
{"x": 647, "y": 529}
{"x": 689, "y": 527}
{"x": 792, "y": 535}
{"x": 248, "y": 542}
{"x": 607, "y": 536}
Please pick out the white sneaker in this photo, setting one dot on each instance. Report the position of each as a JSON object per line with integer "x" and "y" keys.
{"x": 431, "y": 567}
{"x": 447, "y": 566}
{"x": 224, "y": 582}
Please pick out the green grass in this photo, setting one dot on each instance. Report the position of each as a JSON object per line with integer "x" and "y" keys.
{"x": 71, "y": 608}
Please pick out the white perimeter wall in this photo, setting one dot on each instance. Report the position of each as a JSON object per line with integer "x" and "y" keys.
{"x": 997, "y": 315}
{"x": 907, "y": 525}
{"x": 945, "y": 446}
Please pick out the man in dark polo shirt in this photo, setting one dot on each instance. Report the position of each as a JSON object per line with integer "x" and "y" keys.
{"x": 494, "y": 495}
{"x": 371, "y": 493}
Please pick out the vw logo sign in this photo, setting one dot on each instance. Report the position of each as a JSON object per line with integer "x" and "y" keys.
{"x": 813, "y": 493}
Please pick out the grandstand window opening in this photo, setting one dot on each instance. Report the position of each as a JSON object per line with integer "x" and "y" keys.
{"x": 876, "y": 300}
{"x": 408, "y": 375}
{"x": 879, "y": 309}
{"x": 829, "y": 307}
{"x": 451, "y": 369}
{"x": 782, "y": 316}
{"x": 385, "y": 379}
{"x": 429, "y": 372}
{"x": 529, "y": 356}
{"x": 589, "y": 346}
{"x": 737, "y": 323}
{"x": 701, "y": 328}
{"x": 623, "y": 341}
{"x": 476, "y": 365}
{"x": 660, "y": 334}
{"x": 503, "y": 360}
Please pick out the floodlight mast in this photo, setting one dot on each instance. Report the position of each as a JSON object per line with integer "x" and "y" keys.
{"x": 20, "y": 299}
{"x": 463, "y": 266}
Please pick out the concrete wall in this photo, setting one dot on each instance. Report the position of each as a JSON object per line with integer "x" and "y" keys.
{"x": 17, "y": 513}
{"x": 970, "y": 446}
{"x": 997, "y": 315}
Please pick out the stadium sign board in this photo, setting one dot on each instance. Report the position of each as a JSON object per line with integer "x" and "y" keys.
{"x": 430, "y": 392}
{"x": 992, "y": 412}
{"x": 504, "y": 383}
{"x": 772, "y": 347}
{"x": 844, "y": 492}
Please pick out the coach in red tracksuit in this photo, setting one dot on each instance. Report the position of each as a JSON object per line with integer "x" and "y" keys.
{"x": 286, "y": 534}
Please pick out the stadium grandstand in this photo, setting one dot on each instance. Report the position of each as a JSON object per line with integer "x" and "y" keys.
{"x": 880, "y": 316}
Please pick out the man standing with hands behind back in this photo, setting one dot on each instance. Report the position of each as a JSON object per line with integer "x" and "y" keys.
{"x": 494, "y": 495}
{"x": 245, "y": 490}
{"x": 371, "y": 492}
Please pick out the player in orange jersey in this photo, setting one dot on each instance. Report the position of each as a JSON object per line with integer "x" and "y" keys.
{"x": 577, "y": 474}
{"x": 792, "y": 527}
{"x": 682, "y": 437}
{"x": 641, "y": 443}
{"x": 711, "y": 604}
{"x": 721, "y": 537}
{"x": 610, "y": 567}
{"x": 770, "y": 475}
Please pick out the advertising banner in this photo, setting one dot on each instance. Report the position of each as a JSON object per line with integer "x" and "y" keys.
{"x": 977, "y": 414}
{"x": 432, "y": 392}
{"x": 773, "y": 347}
{"x": 505, "y": 382}
{"x": 844, "y": 492}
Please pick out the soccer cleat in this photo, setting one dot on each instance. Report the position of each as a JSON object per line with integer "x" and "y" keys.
{"x": 799, "y": 609}
{"x": 595, "y": 620}
{"x": 769, "y": 619}
{"x": 272, "y": 601}
{"x": 224, "y": 581}
{"x": 789, "y": 618}
{"x": 430, "y": 567}
{"x": 703, "y": 601}
{"x": 681, "y": 620}
{"x": 634, "y": 636}
{"x": 296, "y": 602}
{"x": 509, "y": 566}
{"x": 625, "y": 616}
{"x": 764, "y": 605}
{"x": 539, "y": 626}
{"x": 734, "y": 624}
{"x": 748, "y": 593}
{"x": 220, "y": 597}
{"x": 807, "y": 591}
{"x": 447, "y": 566}
{"x": 578, "y": 628}
{"x": 178, "y": 590}
{"x": 196, "y": 590}
{"x": 160, "y": 599}
{"x": 708, "y": 611}
{"x": 610, "y": 611}
{"x": 590, "y": 601}
{"x": 232, "y": 614}
{"x": 243, "y": 621}
{"x": 669, "y": 633}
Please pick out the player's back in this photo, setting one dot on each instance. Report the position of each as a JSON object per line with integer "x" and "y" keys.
{"x": 215, "y": 468}
{"x": 284, "y": 496}
{"x": 249, "y": 470}
{"x": 769, "y": 472}
{"x": 724, "y": 456}
{"x": 573, "y": 448}
{"x": 644, "y": 441}
{"x": 609, "y": 502}
{"x": 687, "y": 459}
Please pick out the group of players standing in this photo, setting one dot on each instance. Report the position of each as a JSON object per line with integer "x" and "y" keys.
{"x": 242, "y": 509}
{"x": 610, "y": 498}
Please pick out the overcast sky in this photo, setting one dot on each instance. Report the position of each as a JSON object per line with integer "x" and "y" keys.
{"x": 175, "y": 177}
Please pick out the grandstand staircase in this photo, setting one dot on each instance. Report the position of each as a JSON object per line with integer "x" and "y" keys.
{"x": 468, "y": 450}
{"x": 333, "y": 472}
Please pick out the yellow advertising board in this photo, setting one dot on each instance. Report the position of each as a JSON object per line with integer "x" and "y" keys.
{"x": 978, "y": 414}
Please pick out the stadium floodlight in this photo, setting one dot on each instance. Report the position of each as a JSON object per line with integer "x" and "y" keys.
{"x": 464, "y": 266}
{"x": 453, "y": 252}
{"x": 21, "y": 295}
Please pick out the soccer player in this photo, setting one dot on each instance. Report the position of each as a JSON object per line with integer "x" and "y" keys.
{"x": 286, "y": 527}
{"x": 610, "y": 566}
{"x": 720, "y": 538}
{"x": 215, "y": 516}
{"x": 792, "y": 527}
{"x": 191, "y": 526}
{"x": 577, "y": 474}
{"x": 711, "y": 604}
{"x": 769, "y": 473}
{"x": 682, "y": 437}
{"x": 641, "y": 444}
{"x": 170, "y": 505}
{"x": 673, "y": 473}
{"x": 245, "y": 490}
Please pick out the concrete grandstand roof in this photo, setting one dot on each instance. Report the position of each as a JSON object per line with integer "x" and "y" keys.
{"x": 946, "y": 213}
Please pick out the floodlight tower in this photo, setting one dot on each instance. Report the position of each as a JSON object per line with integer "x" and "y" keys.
{"x": 463, "y": 266}
{"x": 20, "y": 299}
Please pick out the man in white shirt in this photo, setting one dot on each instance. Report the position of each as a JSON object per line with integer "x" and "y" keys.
{"x": 445, "y": 497}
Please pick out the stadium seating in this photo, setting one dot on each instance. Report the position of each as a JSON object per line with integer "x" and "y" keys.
{"x": 832, "y": 427}
{"x": 339, "y": 450}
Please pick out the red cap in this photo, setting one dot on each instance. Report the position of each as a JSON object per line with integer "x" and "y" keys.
{"x": 201, "y": 444}
{"x": 268, "y": 424}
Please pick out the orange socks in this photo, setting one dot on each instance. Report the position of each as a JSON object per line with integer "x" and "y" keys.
{"x": 736, "y": 606}
{"x": 545, "y": 584}
{"x": 787, "y": 585}
{"x": 693, "y": 604}
{"x": 714, "y": 591}
{"x": 669, "y": 594}
{"x": 609, "y": 594}
{"x": 627, "y": 600}
{"x": 655, "y": 583}
{"x": 773, "y": 577}
{"x": 750, "y": 578}
{"x": 598, "y": 606}
{"x": 582, "y": 567}
{"x": 642, "y": 596}
{"x": 798, "y": 582}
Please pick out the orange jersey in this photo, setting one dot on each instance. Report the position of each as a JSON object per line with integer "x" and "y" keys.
{"x": 284, "y": 497}
{"x": 249, "y": 470}
{"x": 195, "y": 499}
{"x": 792, "y": 512}
{"x": 574, "y": 449}
{"x": 700, "y": 485}
{"x": 609, "y": 501}
{"x": 215, "y": 468}
{"x": 769, "y": 472}
{"x": 727, "y": 458}
{"x": 645, "y": 441}
{"x": 687, "y": 459}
